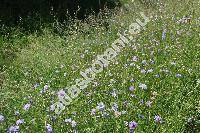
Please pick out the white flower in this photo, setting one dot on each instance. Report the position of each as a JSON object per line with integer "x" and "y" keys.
{"x": 143, "y": 86}
{"x": 68, "y": 120}
{"x": 73, "y": 123}
{"x": 2, "y": 118}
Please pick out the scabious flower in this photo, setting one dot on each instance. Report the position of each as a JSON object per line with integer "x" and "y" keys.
{"x": 150, "y": 70}
{"x": 2, "y": 118}
{"x": 131, "y": 88}
{"x": 164, "y": 34}
{"x": 20, "y": 121}
{"x": 135, "y": 58}
{"x": 143, "y": 71}
{"x": 101, "y": 106}
{"x": 158, "y": 119}
{"x": 148, "y": 103}
{"x": 114, "y": 107}
{"x": 61, "y": 93}
{"x": 68, "y": 120}
{"x": 45, "y": 88}
{"x": 93, "y": 111}
{"x": 132, "y": 80}
{"x": 178, "y": 75}
{"x": 49, "y": 128}
{"x": 27, "y": 106}
{"x": 143, "y": 86}
{"x": 114, "y": 93}
{"x": 14, "y": 129}
{"x": 73, "y": 123}
{"x": 132, "y": 126}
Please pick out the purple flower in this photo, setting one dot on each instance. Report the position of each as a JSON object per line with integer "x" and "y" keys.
{"x": 61, "y": 93}
{"x": 131, "y": 88}
{"x": 2, "y": 118}
{"x": 93, "y": 111}
{"x": 178, "y": 75}
{"x": 49, "y": 128}
{"x": 132, "y": 80}
{"x": 101, "y": 106}
{"x": 73, "y": 123}
{"x": 14, "y": 129}
{"x": 164, "y": 34}
{"x": 158, "y": 119}
{"x": 20, "y": 121}
{"x": 133, "y": 125}
{"x": 114, "y": 107}
{"x": 27, "y": 106}
{"x": 135, "y": 58}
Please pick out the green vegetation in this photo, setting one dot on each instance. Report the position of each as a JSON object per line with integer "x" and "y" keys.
{"x": 165, "y": 58}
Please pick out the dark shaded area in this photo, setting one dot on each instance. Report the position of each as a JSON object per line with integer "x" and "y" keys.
{"x": 28, "y": 12}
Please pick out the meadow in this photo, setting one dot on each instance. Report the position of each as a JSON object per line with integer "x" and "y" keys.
{"x": 152, "y": 86}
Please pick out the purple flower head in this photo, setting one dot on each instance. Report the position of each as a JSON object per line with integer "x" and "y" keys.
{"x": 14, "y": 129}
{"x": 73, "y": 123}
{"x": 133, "y": 125}
{"x": 164, "y": 34}
{"x": 61, "y": 93}
{"x": 27, "y": 106}
{"x": 135, "y": 58}
{"x": 143, "y": 71}
{"x": 49, "y": 128}
{"x": 114, "y": 93}
{"x": 131, "y": 88}
{"x": 2, "y": 118}
{"x": 158, "y": 119}
{"x": 93, "y": 111}
{"x": 101, "y": 106}
{"x": 178, "y": 75}
{"x": 20, "y": 121}
{"x": 114, "y": 107}
{"x": 132, "y": 80}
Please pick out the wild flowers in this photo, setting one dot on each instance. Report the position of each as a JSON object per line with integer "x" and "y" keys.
{"x": 14, "y": 129}
{"x": 2, "y": 118}
{"x": 132, "y": 126}
{"x": 143, "y": 86}
{"x": 131, "y": 88}
{"x": 101, "y": 106}
{"x": 27, "y": 106}
{"x": 158, "y": 119}
{"x": 20, "y": 121}
{"x": 49, "y": 128}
